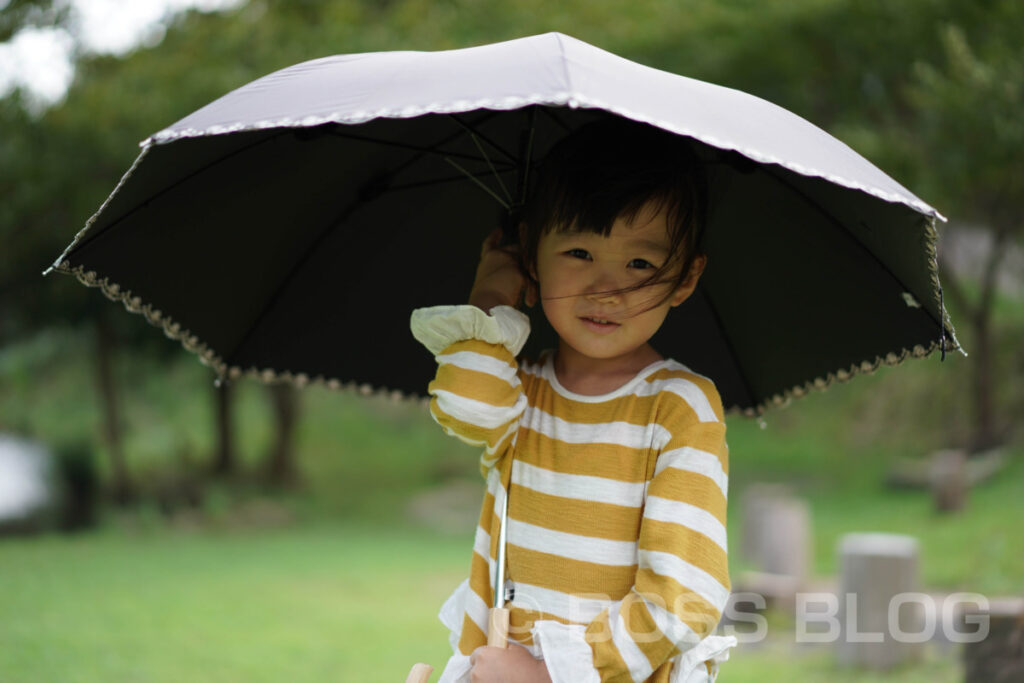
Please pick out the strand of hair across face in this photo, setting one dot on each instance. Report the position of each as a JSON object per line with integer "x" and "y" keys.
{"x": 610, "y": 292}
{"x": 607, "y": 292}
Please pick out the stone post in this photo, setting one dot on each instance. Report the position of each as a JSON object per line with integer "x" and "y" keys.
{"x": 777, "y": 532}
{"x": 882, "y": 618}
{"x": 999, "y": 656}
{"x": 949, "y": 482}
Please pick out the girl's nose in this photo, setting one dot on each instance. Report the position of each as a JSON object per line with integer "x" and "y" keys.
{"x": 604, "y": 290}
{"x": 604, "y": 297}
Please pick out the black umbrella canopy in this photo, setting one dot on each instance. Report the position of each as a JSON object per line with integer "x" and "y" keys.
{"x": 288, "y": 229}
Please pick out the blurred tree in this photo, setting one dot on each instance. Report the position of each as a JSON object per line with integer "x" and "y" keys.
{"x": 56, "y": 167}
{"x": 281, "y": 466}
{"x": 122, "y": 488}
{"x": 43, "y": 188}
{"x": 928, "y": 89}
{"x": 16, "y": 15}
{"x": 969, "y": 108}
{"x": 225, "y": 462}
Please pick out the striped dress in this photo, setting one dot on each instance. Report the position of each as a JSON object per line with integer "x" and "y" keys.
{"x": 616, "y": 542}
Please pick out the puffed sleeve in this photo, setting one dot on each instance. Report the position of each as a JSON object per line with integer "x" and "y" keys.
{"x": 476, "y": 394}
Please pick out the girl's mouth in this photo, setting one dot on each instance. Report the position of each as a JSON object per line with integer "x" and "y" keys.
{"x": 599, "y": 324}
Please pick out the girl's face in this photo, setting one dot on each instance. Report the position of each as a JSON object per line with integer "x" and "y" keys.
{"x": 586, "y": 282}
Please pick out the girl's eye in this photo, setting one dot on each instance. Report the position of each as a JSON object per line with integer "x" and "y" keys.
{"x": 578, "y": 253}
{"x": 640, "y": 263}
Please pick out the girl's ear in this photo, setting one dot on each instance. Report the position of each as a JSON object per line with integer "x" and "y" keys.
{"x": 684, "y": 290}
{"x": 530, "y": 296}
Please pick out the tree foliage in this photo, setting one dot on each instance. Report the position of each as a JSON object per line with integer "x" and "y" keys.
{"x": 16, "y": 15}
{"x": 930, "y": 90}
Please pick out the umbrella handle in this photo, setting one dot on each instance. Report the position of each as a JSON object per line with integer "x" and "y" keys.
{"x": 497, "y": 636}
{"x": 419, "y": 673}
{"x": 497, "y": 627}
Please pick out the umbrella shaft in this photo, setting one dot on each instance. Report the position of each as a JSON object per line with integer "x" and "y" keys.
{"x": 499, "y": 566}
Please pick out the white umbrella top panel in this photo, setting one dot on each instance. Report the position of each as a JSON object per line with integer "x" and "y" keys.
{"x": 550, "y": 69}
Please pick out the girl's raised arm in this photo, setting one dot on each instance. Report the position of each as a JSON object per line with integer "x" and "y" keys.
{"x": 476, "y": 395}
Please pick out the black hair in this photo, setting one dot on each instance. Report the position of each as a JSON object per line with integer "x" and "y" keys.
{"x": 610, "y": 169}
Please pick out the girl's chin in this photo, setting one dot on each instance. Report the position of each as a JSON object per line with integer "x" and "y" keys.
{"x": 593, "y": 349}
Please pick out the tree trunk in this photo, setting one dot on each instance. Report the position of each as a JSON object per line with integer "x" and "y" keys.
{"x": 985, "y": 433}
{"x": 281, "y": 467}
{"x": 224, "y": 464}
{"x": 111, "y": 418}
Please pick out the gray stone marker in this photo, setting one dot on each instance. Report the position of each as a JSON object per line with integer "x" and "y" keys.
{"x": 777, "y": 532}
{"x": 999, "y": 657}
{"x": 949, "y": 482}
{"x": 881, "y": 610}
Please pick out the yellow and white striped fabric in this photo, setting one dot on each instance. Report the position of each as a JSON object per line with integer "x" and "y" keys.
{"x": 617, "y": 505}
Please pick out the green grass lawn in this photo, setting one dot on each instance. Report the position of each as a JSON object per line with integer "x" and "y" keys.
{"x": 345, "y": 603}
{"x": 318, "y": 602}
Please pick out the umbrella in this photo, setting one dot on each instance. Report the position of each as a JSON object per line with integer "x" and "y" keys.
{"x": 287, "y": 229}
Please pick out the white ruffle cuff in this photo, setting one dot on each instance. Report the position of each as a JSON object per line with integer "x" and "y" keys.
{"x": 701, "y": 662}
{"x": 438, "y": 327}
{"x": 568, "y": 657}
{"x": 565, "y": 651}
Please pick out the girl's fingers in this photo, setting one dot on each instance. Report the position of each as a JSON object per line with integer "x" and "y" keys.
{"x": 492, "y": 240}
{"x": 493, "y": 243}
{"x": 500, "y": 275}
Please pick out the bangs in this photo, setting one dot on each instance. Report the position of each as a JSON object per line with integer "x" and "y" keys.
{"x": 615, "y": 169}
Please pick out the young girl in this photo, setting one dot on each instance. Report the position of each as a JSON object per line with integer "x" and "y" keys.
{"x": 612, "y": 457}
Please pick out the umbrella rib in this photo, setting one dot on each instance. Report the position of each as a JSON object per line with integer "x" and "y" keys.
{"x": 473, "y": 131}
{"x": 343, "y": 214}
{"x": 476, "y": 136}
{"x": 296, "y": 267}
{"x": 526, "y": 155}
{"x": 846, "y": 231}
{"x": 728, "y": 343}
{"x": 405, "y": 145}
{"x": 427, "y": 183}
{"x": 422, "y": 151}
{"x": 89, "y": 239}
{"x": 497, "y": 176}
{"x": 481, "y": 184}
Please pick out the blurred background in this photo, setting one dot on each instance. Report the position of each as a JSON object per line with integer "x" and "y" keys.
{"x": 156, "y": 527}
